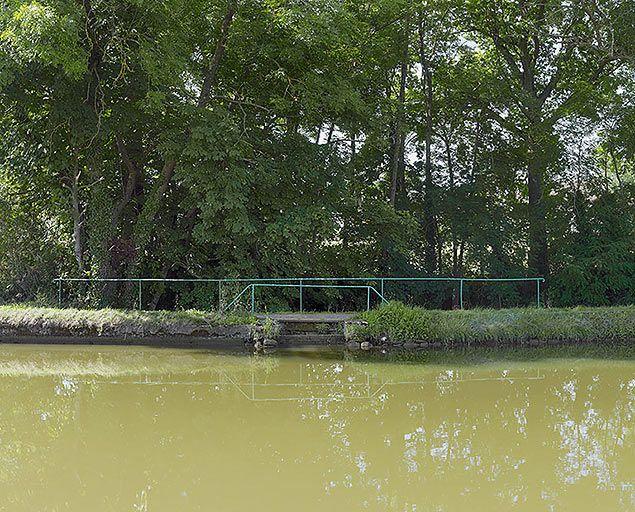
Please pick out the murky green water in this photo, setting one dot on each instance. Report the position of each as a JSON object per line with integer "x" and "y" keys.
{"x": 139, "y": 429}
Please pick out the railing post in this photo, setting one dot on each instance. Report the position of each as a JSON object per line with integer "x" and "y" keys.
{"x": 253, "y": 302}
{"x": 368, "y": 298}
{"x": 139, "y": 282}
{"x": 461, "y": 293}
{"x": 220, "y": 305}
{"x": 538, "y": 292}
{"x": 382, "y": 288}
{"x": 301, "y": 297}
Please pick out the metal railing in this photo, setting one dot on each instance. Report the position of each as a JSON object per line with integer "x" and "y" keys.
{"x": 368, "y": 283}
{"x": 301, "y": 287}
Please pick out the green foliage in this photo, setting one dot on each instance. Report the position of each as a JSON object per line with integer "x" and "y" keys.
{"x": 270, "y": 328}
{"x": 598, "y": 265}
{"x": 35, "y": 33}
{"x": 114, "y": 164}
{"x": 31, "y": 242}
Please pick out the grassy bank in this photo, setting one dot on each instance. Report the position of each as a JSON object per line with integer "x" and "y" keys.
{"x": 19, "y": 320}
{"x": 400, "y": 323}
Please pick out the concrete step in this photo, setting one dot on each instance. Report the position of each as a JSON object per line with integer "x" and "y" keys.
{"x": 310, "y": 324}
{"x": 311, "y": 328}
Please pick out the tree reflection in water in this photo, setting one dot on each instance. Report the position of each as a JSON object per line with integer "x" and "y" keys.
{"x": 144, "y": 429}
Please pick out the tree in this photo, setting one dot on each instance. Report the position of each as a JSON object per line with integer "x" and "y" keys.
{"x": 552, "y": 58}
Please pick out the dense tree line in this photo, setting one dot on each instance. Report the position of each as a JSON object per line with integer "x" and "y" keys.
{"x": 205, "y": 138}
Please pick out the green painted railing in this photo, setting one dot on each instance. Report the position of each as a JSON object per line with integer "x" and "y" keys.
{"x": 301, "y": 286}
{"x": 302, "y": 283}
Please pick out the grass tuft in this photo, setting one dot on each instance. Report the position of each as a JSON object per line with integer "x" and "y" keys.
{"x": 585, "y": 324}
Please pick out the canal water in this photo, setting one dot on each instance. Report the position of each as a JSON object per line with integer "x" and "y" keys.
{"x": 143, "y": 429}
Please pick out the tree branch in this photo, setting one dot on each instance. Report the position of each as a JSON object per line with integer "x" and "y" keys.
{"x": 211, "y": 75}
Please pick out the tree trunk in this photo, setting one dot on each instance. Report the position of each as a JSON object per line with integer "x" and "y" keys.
{"x": 78, "y": 218}
{"x": 538, "y": 250}
{"x": 94, "y": 95}
{"x": 211, "y": 76}
{"x": 450, "y": 164}
{"x": 319, "y": 133}
{"x": 429, "y": 219}
{"x": 330, "y": 135}
{"x": 353, "y": 148}
{"x": 210, "y": 80}
{"x": 153, "y": 205}
{"x": 398, "y": 161}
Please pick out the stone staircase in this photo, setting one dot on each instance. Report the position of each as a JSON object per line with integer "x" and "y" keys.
{"x": 309, "y": 328}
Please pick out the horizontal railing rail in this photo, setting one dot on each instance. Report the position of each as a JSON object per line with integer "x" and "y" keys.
{"x": 302, "y": 282}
